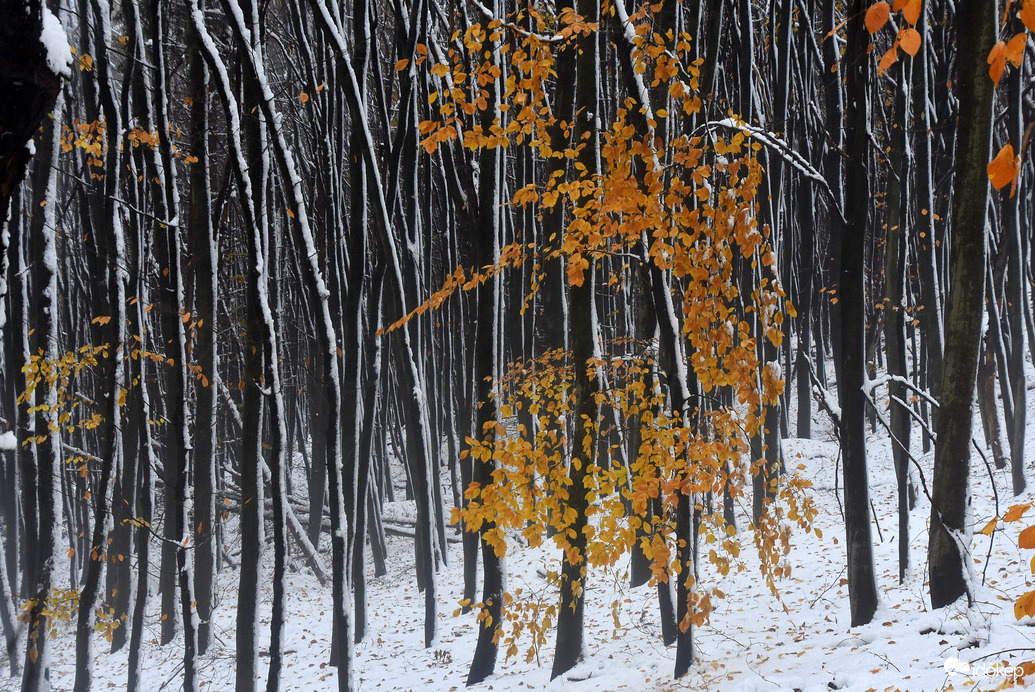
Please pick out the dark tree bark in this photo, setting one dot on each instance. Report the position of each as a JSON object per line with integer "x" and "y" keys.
{"x": 929, "y": 312}
{"x": 487, "y": 325}
{"x": 582, "y": 337}
{"x": 41, "y": 244}
{"x": 30, "y": 86}
{"x": 974, "y": 22}
{"x": 202, "y": 250}
{"x": 862, "y": 586}
{"x": 894, "y": 310}
{"x": 1014, "y": 303}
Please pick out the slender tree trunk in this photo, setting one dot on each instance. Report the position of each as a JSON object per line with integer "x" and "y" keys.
{"x": 43, "y": 246}
{"x": 894, "y": 309}
{"x": 202, "y": 249}
{"x": 582, "y": 337}
{"x": 949, "y": 555}
{"x": 861, "y": 581}
{"x": 487, "y": 233}
{"x": 1014, "y": 300}
{"x": 926, "y": 238}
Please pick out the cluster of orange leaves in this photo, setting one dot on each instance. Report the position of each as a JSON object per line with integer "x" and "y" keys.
{"x": 86, "y": 136}
{"x": 682, "y": 203}
{"x": 1004, "y": 169}
{"x": 908, "y": 38}
{"x": 65, "y": 410}
{"x": 1025, "y": 604}
{"x": 60, "y": 606}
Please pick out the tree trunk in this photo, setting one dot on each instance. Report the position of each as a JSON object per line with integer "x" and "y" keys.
{"x": 29, "y": 85}
{"x": 582, "y": 337}
{"x": 487, "y": 325}
{"x": 949, "y": 555}
{"x": 894, "y": 311}
{"x": 202, "y": 249}
{"x": 862, "y": 586}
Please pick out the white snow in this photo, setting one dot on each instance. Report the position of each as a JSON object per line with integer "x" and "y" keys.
{"x": 752, "y": 642}
{"x": 8, "y": 441}
{"x": 55, "y": 42}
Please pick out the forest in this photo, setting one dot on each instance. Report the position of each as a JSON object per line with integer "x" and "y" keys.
{"x": 581, "y": 323}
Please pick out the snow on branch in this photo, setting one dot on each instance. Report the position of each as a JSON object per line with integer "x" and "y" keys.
{"x": 488, "y": 14}
{"x": 774, "y": 143}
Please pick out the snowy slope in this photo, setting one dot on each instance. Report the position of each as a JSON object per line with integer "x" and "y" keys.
{"x": 754, "y": 642}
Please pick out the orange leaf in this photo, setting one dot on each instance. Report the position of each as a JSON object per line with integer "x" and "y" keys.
{"x": 303, "y": 97}
{"x": 997, "y": 62}
{"x": 990, "y": 526}
{"x": 401, "y": 65}
{"x": 1027, "y": 14}
{"x": 1015, "y": 48}
{"x": 888, "y": 60}
{"x": 1027, "y": 538}
{"x": 911, "y": 10}
{"x": 877, "y": 16}
{"x": 1016, "y": 512}
{"x": 1002, "y": 170}
{"x": 909, "y": 39}
{"x": 1020, "y": 606}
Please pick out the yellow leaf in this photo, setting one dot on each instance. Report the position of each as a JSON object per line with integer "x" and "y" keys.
{"x": 990, "y": 526}
{"x": 877, "y": 16}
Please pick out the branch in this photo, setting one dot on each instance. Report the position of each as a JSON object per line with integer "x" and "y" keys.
{"x": 796, "y": 160}
{"x": 487, "y": 13}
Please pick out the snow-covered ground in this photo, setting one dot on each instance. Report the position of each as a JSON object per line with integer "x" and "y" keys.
{"x": 802, "y": 641}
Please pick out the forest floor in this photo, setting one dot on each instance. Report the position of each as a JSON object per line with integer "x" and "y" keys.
{"x": 754, "y": 641}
